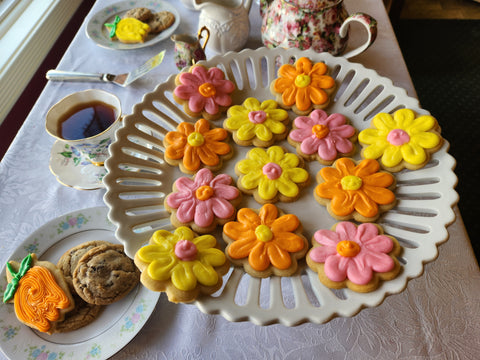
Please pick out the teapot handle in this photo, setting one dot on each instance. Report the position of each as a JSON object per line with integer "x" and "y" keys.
{"x": 199, "y": 36}
{"x": 369, "y": 23}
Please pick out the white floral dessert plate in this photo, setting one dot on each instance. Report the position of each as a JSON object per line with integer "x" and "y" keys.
{"x": 116, "y": 325}
{"x": 72, "y": 169}
{"x": 98, "y": 32}
{"x": 425, "y": 197}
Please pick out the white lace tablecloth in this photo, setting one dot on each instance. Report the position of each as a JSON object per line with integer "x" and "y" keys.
{"x": 437, "y": 316}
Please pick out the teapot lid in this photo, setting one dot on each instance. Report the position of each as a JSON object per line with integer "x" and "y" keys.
{"x": 313, "y": 4}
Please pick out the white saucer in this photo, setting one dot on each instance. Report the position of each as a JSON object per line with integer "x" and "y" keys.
{"x": 74, "y": 170}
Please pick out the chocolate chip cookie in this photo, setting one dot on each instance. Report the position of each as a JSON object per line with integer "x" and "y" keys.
{"x": 161, "y": 21}
{"x": 69, "y": 260}
{"x": 140, "y": 13}
{"x": 105, "y": 274}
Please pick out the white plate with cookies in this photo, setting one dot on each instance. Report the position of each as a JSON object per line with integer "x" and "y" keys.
{"x": 136, "y": 189}
{"x": 100, "y": 34}
{"x": 112, "y": 327}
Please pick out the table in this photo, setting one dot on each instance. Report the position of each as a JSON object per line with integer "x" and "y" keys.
{"x": 436, "y": 316}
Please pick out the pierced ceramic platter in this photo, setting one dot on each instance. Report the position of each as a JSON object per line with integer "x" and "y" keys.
{"x": 116, "y": 325}
{"x": 418, "y": 221}
{"x": 98, "y": 32}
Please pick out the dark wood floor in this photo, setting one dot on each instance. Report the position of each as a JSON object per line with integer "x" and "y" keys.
{"x": 440, "y": 9}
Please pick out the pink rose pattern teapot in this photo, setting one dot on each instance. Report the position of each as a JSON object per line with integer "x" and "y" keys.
{"x": 318, "y": 24}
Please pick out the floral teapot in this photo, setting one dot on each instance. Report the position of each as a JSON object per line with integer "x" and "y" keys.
{"x": 228, "y": 23}
{"x": 318, "y": 24}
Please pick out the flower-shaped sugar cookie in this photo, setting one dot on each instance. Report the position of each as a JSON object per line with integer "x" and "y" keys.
{"x": 402, "y": 140}
{"x": 260, "y": 124}
{"x": 359, "y": 191}
{"x": 303, "y": 86}
{"x": 203, "y": 92}
{"x": 181, "y": 264}
{"x": 322, "y": 137}
{"x": 265, "y": 242}
{"x": 202, "y": 202}
{"x": 354, "y": 257}
{"x": 271, "y": 175}
{"x": 194, "y": 146}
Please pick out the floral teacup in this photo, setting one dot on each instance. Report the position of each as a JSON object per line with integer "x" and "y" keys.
{"x": 94, "y": 147}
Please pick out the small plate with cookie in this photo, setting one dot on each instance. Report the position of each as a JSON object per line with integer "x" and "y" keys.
{"x": 148, "y": 23}
{"x": 80, "y": 251}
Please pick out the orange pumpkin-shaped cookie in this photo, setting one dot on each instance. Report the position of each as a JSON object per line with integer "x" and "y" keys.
{"x": 39, "y": 292}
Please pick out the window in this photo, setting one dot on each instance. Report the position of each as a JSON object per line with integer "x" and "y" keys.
{"x": 28, "y": 29}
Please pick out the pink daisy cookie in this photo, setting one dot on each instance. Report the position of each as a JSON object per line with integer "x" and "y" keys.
{"x": 323, "y": 137}
{"x": 354, "y": 257}
{"x": 203, "y": 202}
{"x": 203, "y": 92}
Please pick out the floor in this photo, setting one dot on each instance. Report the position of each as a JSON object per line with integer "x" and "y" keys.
{"x": 439, "y": 9}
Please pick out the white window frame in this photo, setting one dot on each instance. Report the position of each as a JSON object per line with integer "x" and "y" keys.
{"x": 28, "y": 30}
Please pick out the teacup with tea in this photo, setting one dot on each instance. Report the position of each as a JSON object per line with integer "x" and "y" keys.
{"x": 86, "y": 120}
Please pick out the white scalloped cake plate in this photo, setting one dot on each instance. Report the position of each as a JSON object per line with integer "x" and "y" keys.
{"x": 98, "y": 32}
{"x": 425, "y": 197}
{"x": 117, "y": 324}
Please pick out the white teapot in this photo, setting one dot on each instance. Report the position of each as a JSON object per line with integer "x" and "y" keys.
{"x": 228, "y": 23}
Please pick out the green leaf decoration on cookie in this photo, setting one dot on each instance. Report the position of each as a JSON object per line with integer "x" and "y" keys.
{"x": 12, "y": 285}
{"x": 113, "y": 27}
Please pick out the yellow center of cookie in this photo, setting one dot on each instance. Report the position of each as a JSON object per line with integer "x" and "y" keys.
{"x": 351, "y": 182}
{"x": 348, "y": 248}
{"x": 204, "y": 192}
{"x": 320, "y": 131}
{"x": 302, "y": 80}
{"x": 263, "y": 233}
{"x": 207, "y": 90}
{"x": 195, "y": 139}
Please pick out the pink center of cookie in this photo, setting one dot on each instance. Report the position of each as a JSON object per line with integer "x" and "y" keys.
{"x": 257, "y": 117}
{"x": 272, "y": 171}
{"x": 398, "y": 137}
{"x": 186, "y": 250}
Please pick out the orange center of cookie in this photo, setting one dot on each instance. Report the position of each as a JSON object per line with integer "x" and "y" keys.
{"x": 348, "y": 248}
{"x": 302, "y": 80}
{"x": 320, "y": 131}
{"x": 204, "y": 192}
{"x": 263, "y": 233}
{"x": 207, "y": 90}
{"x": 195, "y": 139}
{"x": 351, "y": 182}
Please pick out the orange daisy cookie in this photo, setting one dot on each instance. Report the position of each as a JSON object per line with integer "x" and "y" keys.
{"x": 303, "y": 87}
{"x": 355, "y": 190}
{"x": 265, "y": 242}
{"x": 196, "y": 146}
